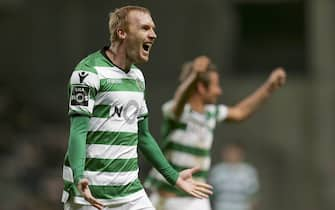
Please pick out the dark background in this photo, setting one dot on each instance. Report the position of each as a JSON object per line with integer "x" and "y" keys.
{"x": 290, "y": 140}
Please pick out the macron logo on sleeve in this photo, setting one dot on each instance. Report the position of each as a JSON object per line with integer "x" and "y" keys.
{"x": 82, "y": 76}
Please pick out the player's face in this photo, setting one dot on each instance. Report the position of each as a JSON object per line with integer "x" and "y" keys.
{"x": 232, "y": 154}
{"x": 214, "y": 89}
{"x": 140, "y": 36}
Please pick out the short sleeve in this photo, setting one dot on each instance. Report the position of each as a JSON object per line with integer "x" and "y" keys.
{"x": 83, "y": 87}
{"x": 167, "y": 109}
{"x": 221, "y": 112}
{"x": 143, "y": 111}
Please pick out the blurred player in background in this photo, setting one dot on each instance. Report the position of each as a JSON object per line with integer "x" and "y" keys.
{"x": 235, "y": 182}
{"x": 189, "y": 120}
{"x": 109, "y": 119}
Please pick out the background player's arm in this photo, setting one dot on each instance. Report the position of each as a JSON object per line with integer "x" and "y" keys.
{"x": 153, "y": 153}
{"x": 249, "y": 105}
{"x": 184, "y": 90}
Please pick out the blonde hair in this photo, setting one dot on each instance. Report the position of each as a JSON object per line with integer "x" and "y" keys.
{"x": 119, "y": 19}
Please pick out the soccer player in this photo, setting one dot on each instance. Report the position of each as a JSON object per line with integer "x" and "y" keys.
{"x": 109, "y": 120}
{"x": 236, "y": 182}
{"x": 189, "y": 120}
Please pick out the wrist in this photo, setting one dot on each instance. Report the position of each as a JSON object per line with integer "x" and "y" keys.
{"x": 78, "y": 179}
{"x": 178, "y": 182}
{"x": 269, "y": 87}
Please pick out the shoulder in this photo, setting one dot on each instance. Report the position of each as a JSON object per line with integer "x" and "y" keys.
{"x": 167, "y": 105}
{"x": 137, "y": 73}
{"x": 218, "y": 167}
{"x": 167, "y": 108}
{"x": 210, "y": 107}
{"x": 87, "y": 64}
{"x": 249, "y": 168}
{"x": 85, "y": 72}
{"x": 92, "y": 61}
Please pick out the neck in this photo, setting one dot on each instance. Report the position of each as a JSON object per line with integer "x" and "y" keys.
{"x": 118, "y": 55}
{"x": 196, "y": 103}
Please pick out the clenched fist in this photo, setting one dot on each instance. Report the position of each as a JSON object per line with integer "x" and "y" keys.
{"x": 277, "y": 78}
{"x": 200, "y": 63}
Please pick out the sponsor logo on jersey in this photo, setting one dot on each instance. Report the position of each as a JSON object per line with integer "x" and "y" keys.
{"x": 117, "y": 111}
{"x": 79, "y": 95}
{"x": 128, "y": 112}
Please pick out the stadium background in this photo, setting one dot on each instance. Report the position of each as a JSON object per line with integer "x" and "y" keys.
{"x": 290, "y": 141}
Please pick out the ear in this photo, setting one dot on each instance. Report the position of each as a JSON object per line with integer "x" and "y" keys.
{"x": 121, "y": 33}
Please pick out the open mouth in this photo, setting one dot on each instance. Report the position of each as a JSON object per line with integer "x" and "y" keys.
{"x": 146, "y": 47}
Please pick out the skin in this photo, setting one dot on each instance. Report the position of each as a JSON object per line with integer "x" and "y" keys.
{"x": 130, "y": 47}
{"x": 246, "y": 107}
{"x": 232, "y": 154}
{"x": 133, "y": 47}
{"x": 198, "y": 95}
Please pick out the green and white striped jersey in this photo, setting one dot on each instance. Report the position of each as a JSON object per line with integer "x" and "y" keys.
{"x": 235, "y": 186}
{"x": 115, "y": 102}
{"x": 187, "y": 142}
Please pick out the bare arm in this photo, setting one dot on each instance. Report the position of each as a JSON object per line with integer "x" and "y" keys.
{"x": 251, "y": 103}
{"x": 184, "y": 90}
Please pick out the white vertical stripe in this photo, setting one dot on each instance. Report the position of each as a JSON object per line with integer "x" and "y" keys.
{"x": 110, "y": 178}
{"x": 111, "y": 151}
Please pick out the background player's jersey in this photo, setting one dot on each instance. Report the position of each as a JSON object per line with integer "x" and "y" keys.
{"x": 114, "y": 100}
{"x": 235, "y": 186}
{"x": 187, "y": 142}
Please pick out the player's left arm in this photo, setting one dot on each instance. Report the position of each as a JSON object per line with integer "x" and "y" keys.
{"x": 150, "y": 149}
{"x": 183, "y": 180}
{"x": 251, "y": 103}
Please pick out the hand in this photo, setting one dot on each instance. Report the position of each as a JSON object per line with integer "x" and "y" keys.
{"x": 195, "y": 188}
{"x": 201, "y": 63}
{"x": 277, "y": 78}
{"x": 86, "y": 193}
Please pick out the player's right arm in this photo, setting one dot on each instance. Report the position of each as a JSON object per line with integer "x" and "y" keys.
{"x": 251, "y": 103}
{"x": 186, "y": 87}
{"x": 83, "y": 86}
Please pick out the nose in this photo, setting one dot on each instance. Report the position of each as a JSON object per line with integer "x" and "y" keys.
{"x": 152, "y": 34}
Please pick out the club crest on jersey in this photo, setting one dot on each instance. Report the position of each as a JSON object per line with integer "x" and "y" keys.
{"x": 140, "y": 84}
{"x": 79, "y": 95}
{"x": 82, "y": 76}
